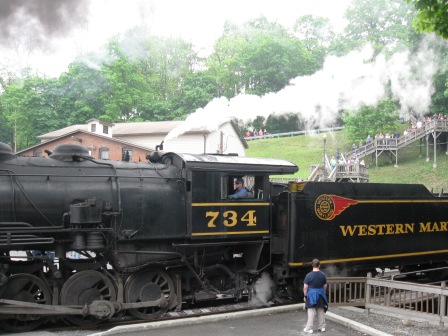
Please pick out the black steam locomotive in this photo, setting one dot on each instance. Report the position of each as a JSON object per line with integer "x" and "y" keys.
{"x": 86, "y": 239}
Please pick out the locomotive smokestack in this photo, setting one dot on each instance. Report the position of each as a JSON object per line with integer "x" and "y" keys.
{"x": 5, "y": 151}
{"x": 159, "y": 147}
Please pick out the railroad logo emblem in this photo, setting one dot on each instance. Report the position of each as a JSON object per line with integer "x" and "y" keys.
{"x": 328, "y": 207}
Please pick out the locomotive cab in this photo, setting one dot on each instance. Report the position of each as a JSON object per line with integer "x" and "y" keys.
{"x": 211, "y": 214}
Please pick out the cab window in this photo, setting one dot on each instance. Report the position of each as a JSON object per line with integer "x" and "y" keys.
{"x": 253, "y": 184}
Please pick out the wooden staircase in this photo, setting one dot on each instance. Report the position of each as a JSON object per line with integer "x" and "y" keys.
{"x": 359, "y": 173}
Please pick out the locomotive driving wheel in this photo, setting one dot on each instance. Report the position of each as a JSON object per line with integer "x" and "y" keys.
{"x": 83, "y": 288}
{"x": 26, "y": 288}
{"x": 149, "y": 285}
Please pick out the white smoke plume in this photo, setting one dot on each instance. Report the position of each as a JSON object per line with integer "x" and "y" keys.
{"x": 264, "y": 289}
{"x": 347, "y": 82}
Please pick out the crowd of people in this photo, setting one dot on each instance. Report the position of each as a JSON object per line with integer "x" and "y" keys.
{"x": 255, "y": 132}
{"x": 420, "y": 121}
{"x": 414, "y": 124}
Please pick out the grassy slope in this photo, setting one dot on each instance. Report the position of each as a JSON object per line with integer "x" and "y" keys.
{"x": 308, "y": 149}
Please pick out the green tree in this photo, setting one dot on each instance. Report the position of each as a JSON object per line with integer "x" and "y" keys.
{"x": 82, "y": 93}
{"x": 432, "y": 16}
{"x": 316, "y": 34}
{"x": 197, "y": 90}
{"x": 225, "y": 66}
{"x": 258, "y": 123}
{"x": 386, "y": 24}
{"x": 283, "y": 123}
{"x": 384, "y": 118}
{"x": 440, "y": 96}
{"x": 130, "y": 88}
{"x": 10, "y": 104}
{"x": 270, "y": 63}
{"x": 257, "y": 57}
{"x": 145, "y": 76}
{"x": 31, "y": 109}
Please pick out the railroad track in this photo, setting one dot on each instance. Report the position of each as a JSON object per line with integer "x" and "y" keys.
{"x": 197, "y": 311}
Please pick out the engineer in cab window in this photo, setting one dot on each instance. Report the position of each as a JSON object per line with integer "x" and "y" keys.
{"x": 240, "y": 190}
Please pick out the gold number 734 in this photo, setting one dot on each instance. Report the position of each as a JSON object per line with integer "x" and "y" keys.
{"x": 230, "y": 218}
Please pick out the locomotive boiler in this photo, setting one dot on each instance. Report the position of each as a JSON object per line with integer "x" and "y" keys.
{"x": 86, "y": 239}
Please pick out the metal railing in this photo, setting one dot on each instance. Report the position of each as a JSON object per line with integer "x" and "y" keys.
{"x": 347, "y": 291}
{"x": 415, "y": 300}
{"x": 291, "y": 134}
{"x": 410, "y": 299}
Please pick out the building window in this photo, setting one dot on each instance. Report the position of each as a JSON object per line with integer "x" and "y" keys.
{"x": 38, "y": 153}
{"x": 127, "y": 154}
{"x": 93, "y": 128}
{"x": 104, "y": 153}
{"x": 105, "y": 129}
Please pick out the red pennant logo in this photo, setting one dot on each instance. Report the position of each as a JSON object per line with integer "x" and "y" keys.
{"x": 328, "y": 207}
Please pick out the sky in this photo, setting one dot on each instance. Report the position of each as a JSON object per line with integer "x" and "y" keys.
{"x": 57, "y": 31}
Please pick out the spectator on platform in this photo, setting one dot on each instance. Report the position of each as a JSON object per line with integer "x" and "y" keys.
{"x": 332, "y": 163}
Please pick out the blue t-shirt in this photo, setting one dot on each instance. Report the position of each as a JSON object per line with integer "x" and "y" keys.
{"x": 315, "y": 279}
{"x": 316, "y": 296}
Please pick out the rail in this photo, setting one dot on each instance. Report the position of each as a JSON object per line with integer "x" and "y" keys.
{"x": 342, "y": 172}
{"x": 284, "y": 180}
{"x": 424, "y": 301}
{"x": 347, "y": 291}
{"x": 295, "y": 133}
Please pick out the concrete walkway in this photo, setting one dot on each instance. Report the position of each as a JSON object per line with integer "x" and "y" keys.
{"x": 284, "y": 320}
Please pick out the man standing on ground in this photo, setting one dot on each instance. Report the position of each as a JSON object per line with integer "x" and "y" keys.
{"x": 316, "y": 303}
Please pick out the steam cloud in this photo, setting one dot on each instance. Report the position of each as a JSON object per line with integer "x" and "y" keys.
{"x": 347, "y": 82}
{"x": 263, "y": 291}
{"x": 39, "y": 20}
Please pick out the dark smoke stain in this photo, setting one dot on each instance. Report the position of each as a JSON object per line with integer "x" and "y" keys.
{"x": 41, "y": 19}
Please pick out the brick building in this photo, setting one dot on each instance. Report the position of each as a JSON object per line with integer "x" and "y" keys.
{"x": 133, "y": 141}
{"x": 100, "y": 147}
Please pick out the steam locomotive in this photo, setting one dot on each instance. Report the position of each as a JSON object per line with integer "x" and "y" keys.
{"x": 85, "y": 239}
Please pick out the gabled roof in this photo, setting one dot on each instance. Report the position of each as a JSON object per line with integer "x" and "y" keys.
{"x": 63, "y": 131}
{"x": 146, "y": 127}
{"x": 127, "y": 143}
{"x": 131, "y": 128}
{"x": 137, "y": 128}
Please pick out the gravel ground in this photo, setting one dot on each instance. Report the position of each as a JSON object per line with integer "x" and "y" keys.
{"x": 393, "y": 325}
